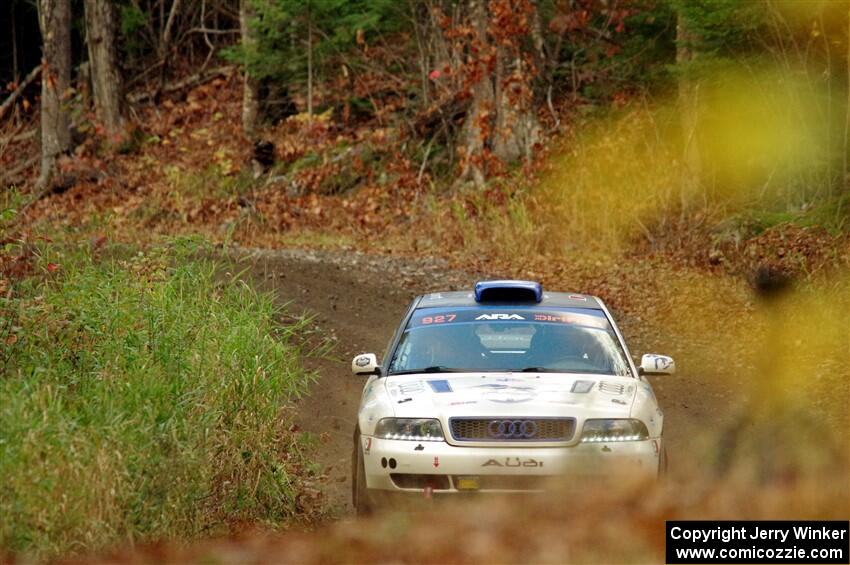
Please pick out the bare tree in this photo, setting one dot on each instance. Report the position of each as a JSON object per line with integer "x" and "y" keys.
{"x": 54, "y": 17}
{"x": 309, "y": 61}
{"x": 501, "y": 122}
{"x": 103, "y": 56}
{"x": 250, "y": 90}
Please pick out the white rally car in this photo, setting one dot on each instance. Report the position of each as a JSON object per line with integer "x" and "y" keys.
{"x": 498, "y": 389}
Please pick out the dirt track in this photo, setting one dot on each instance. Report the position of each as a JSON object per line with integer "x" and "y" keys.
{"x": 358, "y": 299}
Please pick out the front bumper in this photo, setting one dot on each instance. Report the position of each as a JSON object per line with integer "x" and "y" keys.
{"x": 410, "y": 466}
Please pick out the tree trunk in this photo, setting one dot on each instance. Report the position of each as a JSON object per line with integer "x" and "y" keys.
{"x": 501, "y": 123}
{"x": 517, "y": 128}
{"x": 309, "y": 63}
{"x": 845, "y": 179}
{"x": 250, "y": 88}
{"x": 14, "y": 42}
{"x": 54, "y": 17}
{"x": 415, "y": 15}
{"x": 103, "y": 58}
{"x": 165, "y": 41}
{"x": 688, "y": 112}
{"x": 478, "y": 125}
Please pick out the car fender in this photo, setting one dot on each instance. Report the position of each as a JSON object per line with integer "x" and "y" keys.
{"x": 374, "y": 404}
{"x": 645, "y": 408}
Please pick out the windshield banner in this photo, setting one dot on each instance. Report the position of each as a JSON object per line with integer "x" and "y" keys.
{"x": 572, "y": 316}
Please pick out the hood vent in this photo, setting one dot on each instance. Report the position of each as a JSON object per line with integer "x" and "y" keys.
{"x": 582, "y": 387}
{"x": 508, "y": 291}
{"x": 411, "y": 387}
{"x": 611, "y": 388}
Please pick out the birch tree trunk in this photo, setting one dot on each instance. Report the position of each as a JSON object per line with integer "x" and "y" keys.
{"x": 54, "y": 18}
{"x": 250, "y": 88}
{"x": 688, "y": 113}
{"x": 103, "y": 57}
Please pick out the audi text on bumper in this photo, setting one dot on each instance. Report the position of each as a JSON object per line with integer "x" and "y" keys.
{"x": 399, "y": 465}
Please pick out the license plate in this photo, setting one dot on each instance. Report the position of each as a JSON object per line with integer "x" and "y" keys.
{"x": 467, "y": 483}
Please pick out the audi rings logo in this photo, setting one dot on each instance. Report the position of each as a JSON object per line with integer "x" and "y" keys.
{"x": 512, "y": 429}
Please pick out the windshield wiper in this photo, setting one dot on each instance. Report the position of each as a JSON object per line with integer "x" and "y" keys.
{"x": 566, "y": 371}
{"x": 431, "y": 369}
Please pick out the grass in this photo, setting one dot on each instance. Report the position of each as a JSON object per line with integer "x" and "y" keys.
{"x": 141, "y": 398}
{"x": 214, "y": 181}
{"x": 316, "y": 239}
{"x": 828, "y": 213}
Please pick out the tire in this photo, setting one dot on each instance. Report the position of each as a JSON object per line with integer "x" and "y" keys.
{"x": 360, "y": 497}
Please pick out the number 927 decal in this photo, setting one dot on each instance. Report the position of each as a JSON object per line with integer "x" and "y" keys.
{"x": 439, "y": 319}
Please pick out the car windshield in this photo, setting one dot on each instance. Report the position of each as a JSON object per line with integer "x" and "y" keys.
{"x": 564, "y": 340}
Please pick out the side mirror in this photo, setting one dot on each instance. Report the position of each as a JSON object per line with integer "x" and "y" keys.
{"x": 651, "y": 364}
{"x": 365, "y": 364}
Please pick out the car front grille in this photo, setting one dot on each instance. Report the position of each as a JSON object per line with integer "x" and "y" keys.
{"x": 512, "y": 429}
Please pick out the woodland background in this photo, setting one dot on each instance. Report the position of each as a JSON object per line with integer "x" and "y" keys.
{"x": 729, "y": 105}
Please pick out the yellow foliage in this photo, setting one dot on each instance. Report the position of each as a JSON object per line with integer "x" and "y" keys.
{"x": 614, "y": 177}
{"x": 304, "y": 117}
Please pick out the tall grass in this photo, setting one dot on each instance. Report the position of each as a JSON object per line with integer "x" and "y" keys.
{"x": 140, "y": 399}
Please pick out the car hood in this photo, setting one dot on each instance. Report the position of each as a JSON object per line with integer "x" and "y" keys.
{"x": 447, "y": 395}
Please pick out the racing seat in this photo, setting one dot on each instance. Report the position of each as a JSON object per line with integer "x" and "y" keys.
{"x": 468, "y": 351}
{"x": 456, "y": 347}
{"x": 551, "y": 344}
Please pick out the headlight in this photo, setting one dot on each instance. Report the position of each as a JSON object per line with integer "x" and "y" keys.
{"x": 413, "y": 429}
{"x": 613, "y": 430}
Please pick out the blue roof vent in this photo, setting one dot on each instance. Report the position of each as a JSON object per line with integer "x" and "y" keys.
{"x": 508, "y": 291}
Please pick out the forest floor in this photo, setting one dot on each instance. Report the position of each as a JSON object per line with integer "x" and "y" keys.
{"x": 361, "y": 186}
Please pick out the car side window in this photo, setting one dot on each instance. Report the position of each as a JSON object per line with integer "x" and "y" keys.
{"x": 387, "y": 362}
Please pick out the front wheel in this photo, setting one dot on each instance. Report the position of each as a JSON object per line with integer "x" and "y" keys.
{"x": 360, "y": 498}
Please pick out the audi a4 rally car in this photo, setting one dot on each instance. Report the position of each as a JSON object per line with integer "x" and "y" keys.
{"x": 500, "y": 388}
